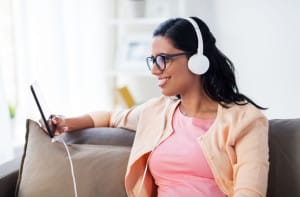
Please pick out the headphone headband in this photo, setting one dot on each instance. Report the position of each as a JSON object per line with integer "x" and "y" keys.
{"x": 198, "y": 63}
{"x": 198, "y": 33}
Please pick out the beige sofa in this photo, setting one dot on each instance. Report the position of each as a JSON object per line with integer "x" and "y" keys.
{"x": 284, "y": 141}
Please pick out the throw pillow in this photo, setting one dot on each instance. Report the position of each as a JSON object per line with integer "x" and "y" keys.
{"x": 45, "y": 169}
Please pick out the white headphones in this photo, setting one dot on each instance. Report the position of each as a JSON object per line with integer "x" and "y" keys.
{"x": 198, "y": 63}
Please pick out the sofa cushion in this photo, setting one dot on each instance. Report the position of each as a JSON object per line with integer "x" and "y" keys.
{"x": 45, "y": 169}
{"x": 284, "y": 142}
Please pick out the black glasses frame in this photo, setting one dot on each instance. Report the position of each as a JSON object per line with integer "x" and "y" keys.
{"x": 165, "y": 57}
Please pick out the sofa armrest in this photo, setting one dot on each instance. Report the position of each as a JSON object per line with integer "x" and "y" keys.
{"x": 8, "y": 177}
{"x": 101, "y": 136}
{"x": 284, "y": 142}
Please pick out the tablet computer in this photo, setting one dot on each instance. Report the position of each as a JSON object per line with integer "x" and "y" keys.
{"x": 39, "y": 100}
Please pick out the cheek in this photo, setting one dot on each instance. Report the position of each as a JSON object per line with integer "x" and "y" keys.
{"x": 178, "y": 67}
{"x": 181, "y": 74}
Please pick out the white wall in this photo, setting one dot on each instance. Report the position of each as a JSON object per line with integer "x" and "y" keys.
{"x": 262, "y": 40}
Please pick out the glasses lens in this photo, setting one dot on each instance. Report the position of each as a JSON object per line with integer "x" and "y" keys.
{"x": 161, "y": 62}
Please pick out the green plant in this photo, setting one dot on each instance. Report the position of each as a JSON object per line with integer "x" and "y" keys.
{"x": 12, "y": 110}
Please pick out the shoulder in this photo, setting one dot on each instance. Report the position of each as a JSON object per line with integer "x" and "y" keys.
{"x": 244, "y": 120}
{"x": 248, "y": 110}
{"x": 243, "y": 114}
{"x": 158, "y": 108}
{"x": 159, "y": 103}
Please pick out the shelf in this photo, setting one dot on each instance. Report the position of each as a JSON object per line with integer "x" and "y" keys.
{"x": 134, "y": 35}
{"x": 132, "y": 43}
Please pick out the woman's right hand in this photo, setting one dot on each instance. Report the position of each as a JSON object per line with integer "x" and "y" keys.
{"x": 57, "y": 123}
{"x": 61, "y": 124}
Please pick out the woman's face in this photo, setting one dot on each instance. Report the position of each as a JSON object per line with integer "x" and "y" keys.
{"x": 176, "y": 79}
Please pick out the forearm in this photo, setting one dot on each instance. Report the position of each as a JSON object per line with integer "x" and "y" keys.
{"x": 63, "y": 124}
{"x": 87, "y": 121}
{"x": 80, "y": 122}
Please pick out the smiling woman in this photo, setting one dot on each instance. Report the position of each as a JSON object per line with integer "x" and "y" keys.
{"x": 181, "y": 135}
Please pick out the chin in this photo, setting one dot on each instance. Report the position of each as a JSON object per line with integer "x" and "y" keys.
{"x": 168, "y": 93}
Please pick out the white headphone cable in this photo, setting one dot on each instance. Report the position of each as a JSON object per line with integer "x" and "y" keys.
{"x": 60, "y": 139}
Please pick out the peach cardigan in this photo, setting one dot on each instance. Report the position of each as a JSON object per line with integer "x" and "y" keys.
{"x": 236, "y": 146}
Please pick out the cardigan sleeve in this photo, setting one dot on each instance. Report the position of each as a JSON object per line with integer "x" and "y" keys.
{"x": 252, "y": 152}
{"x": 130, "y": 118}
{"x": 126, "y": 118}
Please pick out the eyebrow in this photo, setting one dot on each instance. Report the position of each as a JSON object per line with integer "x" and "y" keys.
{"x": 163, "y": 54}
{"x": 158, "y": 54}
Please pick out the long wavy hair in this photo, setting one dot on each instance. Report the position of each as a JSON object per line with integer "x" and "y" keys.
{"x": 219, "y": 81}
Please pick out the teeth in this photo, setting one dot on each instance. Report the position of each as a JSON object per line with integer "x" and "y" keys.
{"x": 163, "y": 81}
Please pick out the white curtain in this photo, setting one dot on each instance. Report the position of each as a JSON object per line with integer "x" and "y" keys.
{"x": 65, "y": 46}
{"x": 6, "y": 146}
{"x": 6, "y": 78}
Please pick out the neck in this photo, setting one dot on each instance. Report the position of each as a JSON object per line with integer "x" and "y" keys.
{"x": 198, "y": 106}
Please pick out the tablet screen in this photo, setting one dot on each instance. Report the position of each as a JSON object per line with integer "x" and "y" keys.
{"x": 40, "y": 102}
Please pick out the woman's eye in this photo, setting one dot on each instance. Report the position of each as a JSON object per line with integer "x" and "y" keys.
{"x": 160, "y": 60}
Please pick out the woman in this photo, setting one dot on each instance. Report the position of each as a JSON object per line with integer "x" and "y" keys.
{"x": 202, "y": 137}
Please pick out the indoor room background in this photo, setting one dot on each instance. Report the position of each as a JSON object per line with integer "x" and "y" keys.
{"x": 82, "y": 51}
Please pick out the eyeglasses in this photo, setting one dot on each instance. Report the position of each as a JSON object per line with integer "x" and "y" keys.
{"x": 161, "y": 60}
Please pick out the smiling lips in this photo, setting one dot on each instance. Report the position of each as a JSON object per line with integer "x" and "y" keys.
{"x": 163, "y": 81}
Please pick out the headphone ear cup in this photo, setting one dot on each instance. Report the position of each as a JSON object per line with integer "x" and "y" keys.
{"x": 198, "y": 64}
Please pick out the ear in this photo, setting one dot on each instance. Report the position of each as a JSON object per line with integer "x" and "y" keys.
{"x": 198, "y": 64}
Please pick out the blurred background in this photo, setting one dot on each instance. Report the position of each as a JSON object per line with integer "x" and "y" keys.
{"x": 82, "y": 52}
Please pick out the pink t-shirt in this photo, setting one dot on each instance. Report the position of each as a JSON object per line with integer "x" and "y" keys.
{"x": 178, "y": 165}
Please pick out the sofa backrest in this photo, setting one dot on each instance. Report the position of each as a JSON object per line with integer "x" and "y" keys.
{"x": 284, "y": 142}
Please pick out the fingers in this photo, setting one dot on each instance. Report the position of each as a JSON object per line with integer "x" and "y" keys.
{"x": 56, "y": 119}
{"x": 59, "y": 124}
